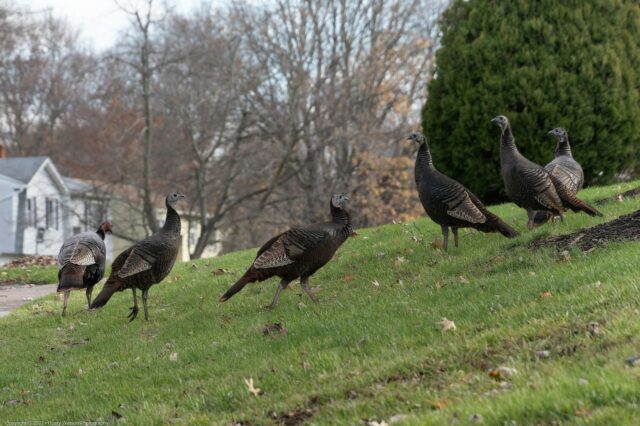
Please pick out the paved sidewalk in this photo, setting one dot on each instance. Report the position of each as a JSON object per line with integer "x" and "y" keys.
{"x": 14, "y": 296}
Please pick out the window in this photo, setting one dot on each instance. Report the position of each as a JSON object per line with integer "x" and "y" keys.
{"x": 48, "y": 217}
{"x": 32, "y": 212}
{"x": 29, "y": 213}
{"x": 57, "y": 214}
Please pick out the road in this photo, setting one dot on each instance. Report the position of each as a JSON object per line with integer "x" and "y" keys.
{"x": 14, "y": 296}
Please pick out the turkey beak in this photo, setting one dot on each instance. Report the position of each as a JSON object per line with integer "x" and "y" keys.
{"x": 550, "y": 132}
{"x": 180, "y": 195}
{"x": 347, "y": 198}
{"x": 494, "y": 120}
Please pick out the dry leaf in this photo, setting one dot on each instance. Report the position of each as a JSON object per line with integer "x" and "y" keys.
{"x": 194, "y": 266}
{"x": 397, "y": 418}
{"x": 447, "y": 325}
{"x": 436, "y": 244}
{"x": 400, "y": 260}
{"x": 353, "y": 234}
{"x": 218, "y": 271}
{"x": 546, "y": 294}
{"x": 502, "y": 373}
{"x": 375, "y": 283}
{"x": 252, "y": 390}
{"x": 532, "y": 273}
{"x": 463, "y": 280}
{"x": 439, "y": 285}
{"x": 306, "y": 365}
{"x": 564, "y": 256}
{"x": 440, "y": 405}
{"x": 173, "y": 357}
{"x": 275, "y": 328}
{"x": 594, "y": 328}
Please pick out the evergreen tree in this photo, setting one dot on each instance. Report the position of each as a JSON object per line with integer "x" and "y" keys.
{"x": 543, "y": 64}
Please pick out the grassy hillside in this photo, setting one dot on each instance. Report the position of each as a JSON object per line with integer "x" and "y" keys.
{"x": 371, "y": 350}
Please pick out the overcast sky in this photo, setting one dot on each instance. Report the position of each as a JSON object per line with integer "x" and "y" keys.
{"x": 99, "y": 21}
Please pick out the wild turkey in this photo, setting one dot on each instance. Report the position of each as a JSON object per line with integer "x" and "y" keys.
{"x": 81, "y": 262}
{"x": 298, "y": 253}
{"x": 528, "y": 184}
{"x": 145, "y": 263}
{"x": 566, "y": 173}
{"x": 450, "y": 204}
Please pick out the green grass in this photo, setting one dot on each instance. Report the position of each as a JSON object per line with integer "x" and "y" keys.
{"x": 366, "y": 351}
{"x": 29, "y": 275}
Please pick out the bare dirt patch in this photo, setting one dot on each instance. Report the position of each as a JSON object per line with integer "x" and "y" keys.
{"x": 624, "y": 228}
{"x": 632, "y": 193}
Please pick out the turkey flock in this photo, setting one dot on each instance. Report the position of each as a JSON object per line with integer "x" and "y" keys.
{"x": 544, "y": 192}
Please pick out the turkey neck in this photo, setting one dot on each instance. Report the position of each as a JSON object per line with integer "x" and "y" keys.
{"x": 100, "y": 232}
{"x": 172, "y": 221}
{"x": 563, "y": 147}
{"x": 508, "y": 145}
{"x": 341, "y": 217}
{"x": 424, "y": 162}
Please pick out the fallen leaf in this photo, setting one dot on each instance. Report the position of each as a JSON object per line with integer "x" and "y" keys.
{"x": 306, "y": 365}
{"x": 633, "y": 361}
{"x": 353, "y": 234}
{"x": 447, "y": 325}
{"x": 377, "y": 423}
{"x": 594, "y": 328}
{"x": 439, "y": 285}
{"x": 375, "y": 283}
{"x": 475, "y": 418}
{"x": 436, "y": 244}
{"x": 400, "y": 260}
{"x": 173, "y": 357}
{"x": 194, "y": 266}
{"x": 275, "y": 328}
{"x": 502, "y": 373}
{"x": 397, "y": 418}
{"x": 564, "y": 256}
{"x": 582, "y": 412}
{"x": 347, "y": 277}
{"x": 252, "y": 390}
{"x": 543, "y": 354}
{"x": 41, "y": 358}
{"x": 546, "y": 294}
{"x": 532, "y": 273}
{"x": 218, "y": 271}
{"x": 440, "y": 404}
{"x": 463, "y": 280}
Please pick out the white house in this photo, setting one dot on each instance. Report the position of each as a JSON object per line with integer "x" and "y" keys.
{"x": 39, "y": 208}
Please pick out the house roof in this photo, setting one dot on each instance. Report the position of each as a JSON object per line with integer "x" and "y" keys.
{"x": 21, "y": 169}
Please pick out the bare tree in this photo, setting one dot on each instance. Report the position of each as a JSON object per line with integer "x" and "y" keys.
{"x": 342, "y": 78}
{"x": 42, "y": 70}
{"x": 146, "y": 55}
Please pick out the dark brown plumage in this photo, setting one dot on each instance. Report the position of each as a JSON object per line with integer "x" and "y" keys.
{"x": 566, "y": 174}
{"x": 145, "y": 263}
{"x": 298, "y": 253}
{"x": 448, "y": 203}
{"x": 81, "y": 262}
{"x": 528, "y": 184}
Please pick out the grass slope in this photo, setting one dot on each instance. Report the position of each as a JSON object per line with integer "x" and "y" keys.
{"x": 371, "y": 348}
